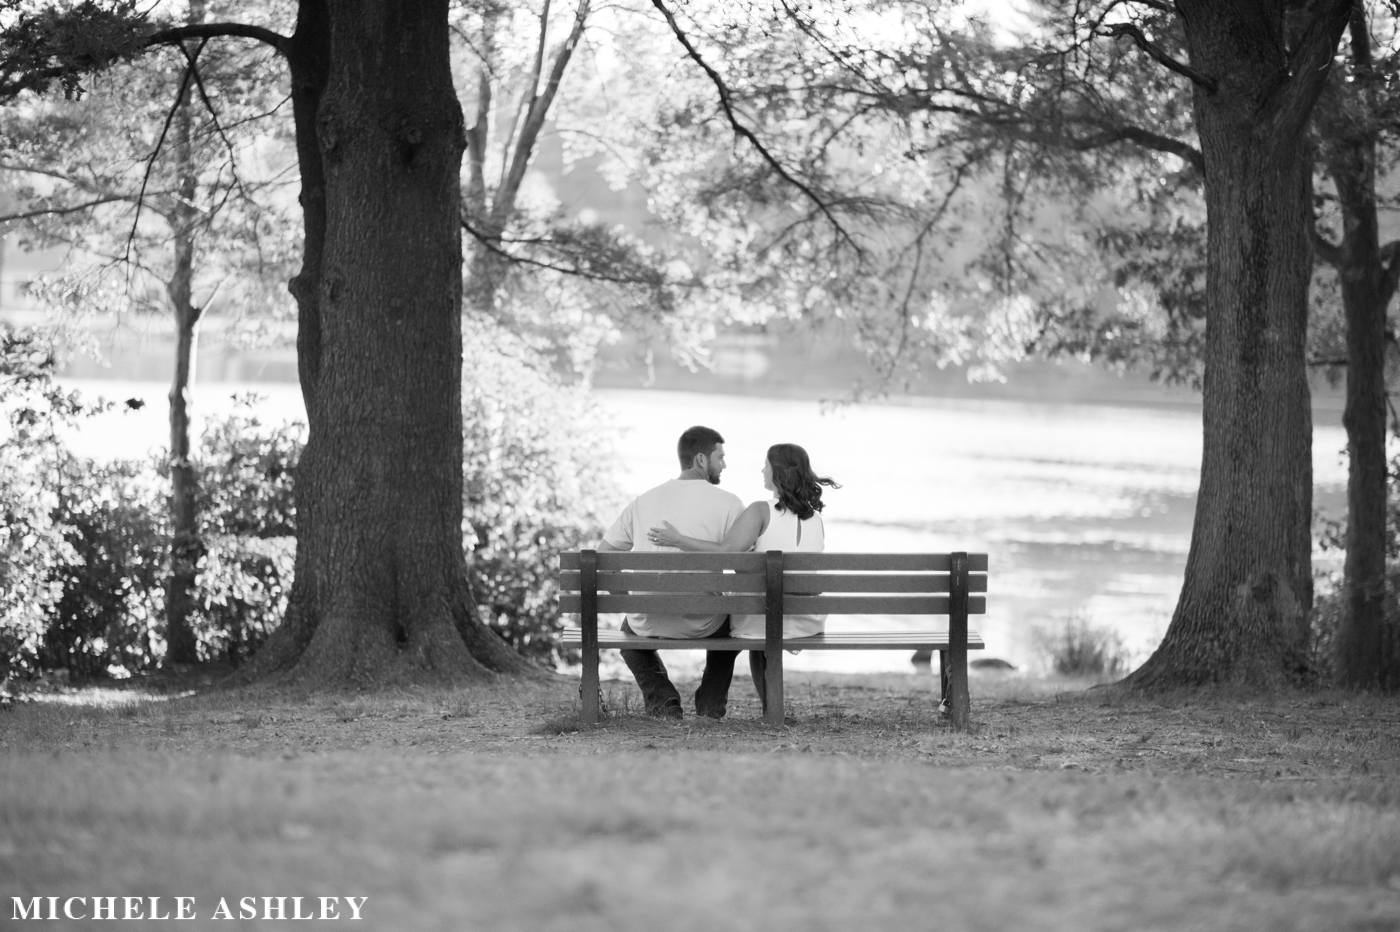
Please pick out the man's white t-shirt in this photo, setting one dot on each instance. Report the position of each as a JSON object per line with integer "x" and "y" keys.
{"x": 695, "y": 508}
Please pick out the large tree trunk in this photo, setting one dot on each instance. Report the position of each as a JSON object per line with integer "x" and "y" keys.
{"x": 186, "y": 547}
{"x": 380, "y": 589}
{"x": 1367, "y": 651}
{"x": 1243, "y": 613}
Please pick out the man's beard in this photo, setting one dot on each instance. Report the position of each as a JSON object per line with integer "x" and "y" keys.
{"x": 713, "y": 476}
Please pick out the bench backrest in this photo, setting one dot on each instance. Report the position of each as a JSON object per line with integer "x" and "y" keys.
{"x": 806, "y": 583}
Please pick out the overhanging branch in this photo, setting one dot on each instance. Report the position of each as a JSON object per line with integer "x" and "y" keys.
{"x": 1119, "y": 30}
{"x": 493, "y": 244}
{"x": 726, "y": 103}
{"x": 1144, "y": 138}
{"x": 176, "y": 34}
{"x": 60, "y": 211}
{"x": 164, "y": 131}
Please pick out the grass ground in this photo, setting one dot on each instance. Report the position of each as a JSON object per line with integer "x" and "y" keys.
{"x": 489, "y": 808}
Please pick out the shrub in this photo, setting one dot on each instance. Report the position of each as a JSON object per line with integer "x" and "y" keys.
{"x": 32, "y": 548}
{"x": 247, "y": 520}
{"x": 1077, "y": 647}
{"x": 84, "y": 549}
{"x": 108, "y": 619}
{"x": 84, "y": 546}
{"x": 537, "y": 482}
{"x": 1329, "y": 602}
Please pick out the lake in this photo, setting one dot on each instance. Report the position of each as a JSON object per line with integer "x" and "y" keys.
{"x": 1085, "y": 509}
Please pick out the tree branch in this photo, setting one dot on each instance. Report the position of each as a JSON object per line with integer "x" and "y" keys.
{"x": 492, "y": 244}
{"x": 1311, "y": 60}
{"x": 59, "y": 211}
{"x": 1119, "y": 30}
{"x": 726, "y": 103}
{"x": 214, "y": 116}
{"x": 1390, "y": 261}
{"x": 1145, "y": 138}
{"x": 206, "y": 31}
{"x": 1325, "y": 249}
{"x": 540, "y": 102}
{"x": 164, "y": 130}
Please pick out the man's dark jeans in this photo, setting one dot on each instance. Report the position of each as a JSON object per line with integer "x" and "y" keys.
{"x": 660, "y": 695}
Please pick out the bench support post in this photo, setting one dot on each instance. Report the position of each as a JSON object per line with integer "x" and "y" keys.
{"x": 943, "y": 679}
{"x": 588, "y": 599}
{"x": 955, "y": 686}
{"x": 773, "y": 639}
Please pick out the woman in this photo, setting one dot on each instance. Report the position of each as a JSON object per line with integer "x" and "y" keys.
{"x": 791, "y": 522}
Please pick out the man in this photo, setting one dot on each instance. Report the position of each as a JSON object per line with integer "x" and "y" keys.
{"x": 697, "y": 507}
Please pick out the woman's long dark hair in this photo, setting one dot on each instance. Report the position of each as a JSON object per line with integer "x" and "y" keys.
{"x": 799, "y": 489}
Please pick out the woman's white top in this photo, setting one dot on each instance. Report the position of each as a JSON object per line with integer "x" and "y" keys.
{"x": 785, "y": 532}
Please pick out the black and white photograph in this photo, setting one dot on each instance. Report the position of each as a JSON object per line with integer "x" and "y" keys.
{"x": 633, "y": 465}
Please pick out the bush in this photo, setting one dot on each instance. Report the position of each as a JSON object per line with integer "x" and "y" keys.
{"x": 1076, "y": 647}
{"x": 84, "y": 548}
{"x": 537, "y": 482}
{"x": 247, "y": 520}
{"x": 109, "y": 617}
{"x": 1329, "y": 602}
{"x": 32, "y": 546}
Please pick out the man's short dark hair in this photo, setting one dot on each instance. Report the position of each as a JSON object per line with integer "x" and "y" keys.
{"x": 695, "y": 441}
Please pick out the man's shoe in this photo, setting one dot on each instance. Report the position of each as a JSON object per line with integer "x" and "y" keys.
{"x": 671, "y": 710}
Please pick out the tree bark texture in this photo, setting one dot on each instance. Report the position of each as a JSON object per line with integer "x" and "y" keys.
{"x": 1243, "y": 613}
{"x": 381, "y": 588}
{"x": 186, "y": 547}
{"x": 1367, "y": 648}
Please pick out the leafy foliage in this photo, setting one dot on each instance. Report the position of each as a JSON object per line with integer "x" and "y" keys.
{"x": 247, "y": 518}
{"x": 42, "y": 43}
{"x": 537, "y": 482}
{"x": 1330, "y": 604}
{"x": 107, "y": 617}
{"x": 31, "y": 456}
{"x": 84, "y": 546}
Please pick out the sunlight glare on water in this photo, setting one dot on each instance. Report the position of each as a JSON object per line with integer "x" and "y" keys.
{"x": 1085, "y": 509}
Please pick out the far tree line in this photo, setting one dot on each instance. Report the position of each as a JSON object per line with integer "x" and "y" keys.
{"x": 935, "y": 181}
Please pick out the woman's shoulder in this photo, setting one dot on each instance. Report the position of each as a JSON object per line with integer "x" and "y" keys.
{"x": 760, "y": 512}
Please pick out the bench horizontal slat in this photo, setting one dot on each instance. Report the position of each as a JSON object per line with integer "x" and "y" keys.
{"x": 794, "y": 583}
{"x": 880, "y": 562}
{"x": 668, "y": 560}
{"x": 753, "y": 562}
{"x": 677, "y": 604}
{"x": 697, "y": 604}
{"x": 667, "y": 582}
{"x": 712, "y": 581}
{"x": 842, "y": 640}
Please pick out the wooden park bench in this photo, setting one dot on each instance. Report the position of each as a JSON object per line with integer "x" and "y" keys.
{"x": 772, "y": 584}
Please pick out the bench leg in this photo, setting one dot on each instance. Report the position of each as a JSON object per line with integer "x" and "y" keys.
{"x": 589, "y": 688}
{"x": 773, "y": 687}
{"x": 943, "y": 679}
{"x": 959, "y": 706}
{"x": 773, "y": 638}
{"x": 588, "y": 565}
